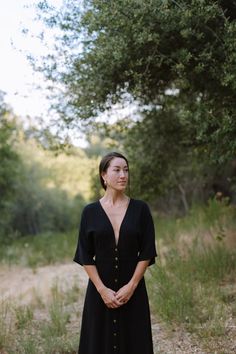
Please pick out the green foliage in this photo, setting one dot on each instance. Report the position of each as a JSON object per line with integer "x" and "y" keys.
{"x": 158, "y": 166}
{"x": 10, "y": 164}
{"x": 58, "y": 317}
{"x": 188, "y": 291}
{"x": 8, "y": 158}
{"x": 175, "y": 62}
{"x": 46, "y": 248}
{"x": 189, "y": 284}
{"x": 28, "y": 345}
{"x": 145, "y": 49}
{"x": 30, "y": 330}
{"x": 5, "y": 324}
{"x": 24, "y": 316}
{"x": 37, "y": 207}
{"x": 203, "y": 224}
{"x": 40, "y": 190}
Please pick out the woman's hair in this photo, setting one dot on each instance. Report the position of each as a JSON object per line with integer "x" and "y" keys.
{"x": 105, "y": 163}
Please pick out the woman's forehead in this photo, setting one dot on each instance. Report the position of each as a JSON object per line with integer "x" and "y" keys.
{"x": 118, "y": 161}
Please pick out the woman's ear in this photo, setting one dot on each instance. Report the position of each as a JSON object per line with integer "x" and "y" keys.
{"x": 103, "y": 174}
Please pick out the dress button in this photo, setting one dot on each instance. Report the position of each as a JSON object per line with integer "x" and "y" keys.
{"x": 116, "y": 266}
{"x": 116, "y": 258}
{"x": 116, "y": 249}
{"x": 114, "y": 334}
{"x": 114, "y": 321}
{"x": 114, "y": 346}
{"x": 116, "y": 280}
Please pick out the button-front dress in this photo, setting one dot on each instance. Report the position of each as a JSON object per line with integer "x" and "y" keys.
{"x": 127, "y": 329}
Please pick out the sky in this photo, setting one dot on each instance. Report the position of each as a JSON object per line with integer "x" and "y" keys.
{"x": 17, "y": 78}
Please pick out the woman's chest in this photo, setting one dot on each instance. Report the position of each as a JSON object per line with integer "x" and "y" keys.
{"x": 108, "y": 231}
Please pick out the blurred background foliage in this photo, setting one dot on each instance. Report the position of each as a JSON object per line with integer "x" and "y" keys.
{"x": 174, "y": 63}
{"x": 41, "y": 190}
{"x": 170, "y": 67}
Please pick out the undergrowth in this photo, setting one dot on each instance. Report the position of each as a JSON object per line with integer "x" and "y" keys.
{"x": 40, "y": 250}
{"x": 190, "y": 284}
{"x": 30, "y": 330}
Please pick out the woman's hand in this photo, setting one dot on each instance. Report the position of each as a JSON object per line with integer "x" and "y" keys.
{"x": 124, "y": 294}
{"x": 109, "y": 298}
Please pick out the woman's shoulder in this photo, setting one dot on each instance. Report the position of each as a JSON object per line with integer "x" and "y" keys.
{"x": 139, "y": 203}
{"x": 90, "y": 207}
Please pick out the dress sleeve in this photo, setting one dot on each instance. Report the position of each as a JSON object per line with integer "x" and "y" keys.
{"x": 85, "y": 249}
{"x": 147, "y": 236}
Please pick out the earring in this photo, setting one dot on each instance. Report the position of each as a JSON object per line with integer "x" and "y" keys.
{"x": 105, "y": 182}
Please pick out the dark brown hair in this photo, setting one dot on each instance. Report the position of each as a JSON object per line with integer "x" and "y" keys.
{"x": 105, "y": 163}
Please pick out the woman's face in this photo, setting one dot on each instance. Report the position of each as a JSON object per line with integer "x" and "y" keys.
{"x": 117, "y": 174}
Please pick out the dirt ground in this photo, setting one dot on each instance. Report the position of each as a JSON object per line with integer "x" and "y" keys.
{"x": 21, "y": 285}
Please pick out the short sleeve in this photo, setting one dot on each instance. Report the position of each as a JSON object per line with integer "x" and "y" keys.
{"x": 147, "y": 236}
{"x": 85, "y": 248}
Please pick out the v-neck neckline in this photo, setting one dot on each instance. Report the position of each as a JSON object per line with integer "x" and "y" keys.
{"x": 122, "y": 221}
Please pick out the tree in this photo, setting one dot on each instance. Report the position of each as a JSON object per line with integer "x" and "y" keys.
{"x": 175, "y": 59}
{"x": 34, "y": 185}
{"x": 9, "y": 165}
{"x": 146, "y": 48}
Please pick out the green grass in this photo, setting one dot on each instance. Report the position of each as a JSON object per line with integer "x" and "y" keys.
{"x": 188, "y": 287}
{"x": 188, "y": 291}
{"x": 47, "y": 248}
{"x": 5, "y": 324}
{"x": 192, "y": 286}
{"x": 59, "y": 317}
{"x": 24, "y": 331}
{"x": 24, "y": 316}
{"x": 214, "y": 217}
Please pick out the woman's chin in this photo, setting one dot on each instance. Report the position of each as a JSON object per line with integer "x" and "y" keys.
{"x": 121, "y": 187}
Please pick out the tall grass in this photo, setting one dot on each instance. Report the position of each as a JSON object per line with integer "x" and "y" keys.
{"x": 214, "y": 218}
{"x": 189, "y": 291}
{"x": 47, "y": 248}
{"x": 193, "y": 284}
{"x": 5, "y": 324}
{"x": 24, "y": 316}
{"x": 59, "y": 317}
{"x": 187, "y": 286}
{"x": 51, "y": 329}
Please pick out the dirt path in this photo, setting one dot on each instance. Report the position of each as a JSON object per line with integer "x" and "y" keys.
{"x": 22, "y": 284}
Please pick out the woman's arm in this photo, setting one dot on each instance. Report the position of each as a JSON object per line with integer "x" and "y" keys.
{"x": 124, "y": 294}
{"x": 108, "y": 295}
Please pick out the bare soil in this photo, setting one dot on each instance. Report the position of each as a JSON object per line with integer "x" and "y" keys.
{"x": 22, "y": 285}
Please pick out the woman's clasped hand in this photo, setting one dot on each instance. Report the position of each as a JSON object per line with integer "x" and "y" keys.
{"x": 114, "y": 299}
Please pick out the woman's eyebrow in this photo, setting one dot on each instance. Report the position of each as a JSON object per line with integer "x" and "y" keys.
{"x": 120, "y": 166}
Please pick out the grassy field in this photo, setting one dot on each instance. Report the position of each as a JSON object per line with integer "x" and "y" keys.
{"x": 40, "y": 250}
{"x": 41, "y": 327}
{"x": 193, "y": 285}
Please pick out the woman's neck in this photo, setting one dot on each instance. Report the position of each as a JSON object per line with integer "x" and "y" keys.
{"x": 114, "y": 198}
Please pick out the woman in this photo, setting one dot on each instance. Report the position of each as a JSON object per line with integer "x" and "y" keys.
{"x": 116, "y": 244}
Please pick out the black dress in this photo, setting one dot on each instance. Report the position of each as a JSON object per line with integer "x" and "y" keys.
{"x": 127, "y": 329}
